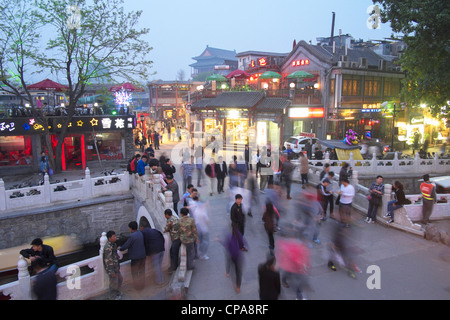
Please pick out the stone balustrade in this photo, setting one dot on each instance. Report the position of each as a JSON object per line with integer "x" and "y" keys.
{"x": 395, "y": 166}
{"x": 69, "y": 191}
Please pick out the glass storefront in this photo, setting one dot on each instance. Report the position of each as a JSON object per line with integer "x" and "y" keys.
{"x": 236, "y": 131}
{"x": 109, "y": 146}
{"x": 15, "y": 151}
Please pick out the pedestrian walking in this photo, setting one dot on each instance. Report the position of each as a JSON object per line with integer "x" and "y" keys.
{"x": 269, "y": 280}
{"x": 293, "y": 258}
{"x": 346, "y": 193}
{"x": 112, "y": 266}
{"x": 304, "y": 169}
{"x": 398, "y": 202}
{"x": 233, "y": 172}
{"x": 188, "y": 236}
{"x": 287, "y": 170}
{"x": 156, "y": 139}
{"x": 172, "y": 185}
{"x": 44, "y": 285}
{"x": 172, "y": 228}
{"x": 202, "y": 223}
{"x": 242, "y": 170}
{"x": 187, "y": 168}
{"x": 232, "y": 243}
{"x": 266, "y": 171}
{"x": 345, "y": 172}
{"x": 375, "y": 197}
{"x": 237, "y": 217}
{"x": 329, "y": 199}
{"x": 210, "y": 171}
{"x": 39, "y": 249}
{"x": 199, "y": 164}
{"x": 221, "y": 173}
{"x": 429, "y": 198}
{"x": 136, "y": 253}
{"x": 269, "y": 223}
{"x": 154, "y": 248}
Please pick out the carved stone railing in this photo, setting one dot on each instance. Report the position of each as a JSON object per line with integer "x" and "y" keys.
{"x": 50, "y": 194}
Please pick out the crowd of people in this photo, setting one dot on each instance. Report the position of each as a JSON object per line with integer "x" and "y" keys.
{"x": 188, "y": 223}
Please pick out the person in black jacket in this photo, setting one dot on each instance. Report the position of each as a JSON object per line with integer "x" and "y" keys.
{"x": 154, "y": 247}
{"x": 398, "y": 202}
{"x": 238, "y": 218}
{"x": 221, "y": 172}
{"x": 269, "y": 280}
{"x": 39, "y": 249}
{"x": 168, "y": 168}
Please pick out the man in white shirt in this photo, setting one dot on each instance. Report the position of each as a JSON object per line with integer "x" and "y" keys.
{"x": 347, "y": 193}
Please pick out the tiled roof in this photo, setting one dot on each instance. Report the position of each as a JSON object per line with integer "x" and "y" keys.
{"x": 273, "y": 104}
{"x": 219, "y": 53}
{"x": 243, "y": 99}
{"x": 238, "y": 99}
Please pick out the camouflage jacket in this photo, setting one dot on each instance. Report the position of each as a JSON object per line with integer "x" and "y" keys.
{"x": 111, "y": 258}
{"x": 188, "y": 230}
{"x": 172, "y": 227}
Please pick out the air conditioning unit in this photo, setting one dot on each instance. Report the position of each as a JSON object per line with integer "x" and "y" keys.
{"x": 343, "y": 58}
{"x": 354, "y": 64}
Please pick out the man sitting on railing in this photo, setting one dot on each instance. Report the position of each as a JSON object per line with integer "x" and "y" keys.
{"x": 39, "y": 249}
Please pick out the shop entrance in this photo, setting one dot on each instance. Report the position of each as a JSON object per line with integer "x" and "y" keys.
{"x": 236, "y": 131}
{"x": 73, "y": 152}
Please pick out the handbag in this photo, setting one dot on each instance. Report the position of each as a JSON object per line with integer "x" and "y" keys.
{"x": 369, "y": 197}
{"x": 50, "y": 171}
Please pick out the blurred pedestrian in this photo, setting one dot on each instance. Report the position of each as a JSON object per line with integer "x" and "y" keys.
{"x": 293, "y": 258}
{"x": 187, "y": 168}
{"x": 340, "y": 252}
{"x": 286, "y": 173}
{"x": 242, "y": 170}
{"x": 202, "y": 223}
{"x": 136, "y": 253}
{"x": 210, "y": 171}
{"x": 44, "y": 285}
{"x": 156, "y": 139}
{"x": 172, "y": 227}
{"x": 269, "y": 280}
{"x": 154, "y": 248}
{"x": 232, "y": 242}
{"x": 429, "y": 198}
{"x": 199, "y": 164}
{"x": 376, "y": 192}
{"x": 188, "y": 236}
{"x": 112, "y": 266}
{"x": 269, "y": 223}
{"x": 44, "y": 166}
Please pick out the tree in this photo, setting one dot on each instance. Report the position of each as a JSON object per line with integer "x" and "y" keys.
{"x": 19, "y": 40}
{"x": 90, "y": 41}
{"x": 426, "y": 61}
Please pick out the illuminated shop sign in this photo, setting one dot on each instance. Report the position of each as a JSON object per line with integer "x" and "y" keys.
{"x": 302, "y": 62}
{"x": 306, "y": 113}
{"x": 24, "y": 126}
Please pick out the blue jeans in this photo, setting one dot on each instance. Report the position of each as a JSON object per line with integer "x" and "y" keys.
{"x": 393, "y": 206}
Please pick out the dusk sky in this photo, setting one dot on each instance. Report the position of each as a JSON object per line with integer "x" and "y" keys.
{"x": 180, "y": 30}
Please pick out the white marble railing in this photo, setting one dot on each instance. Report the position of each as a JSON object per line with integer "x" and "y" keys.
{"x": 396, "y": 166}
{"x": 407, "y": 216}
{"x": 49, "y": 194}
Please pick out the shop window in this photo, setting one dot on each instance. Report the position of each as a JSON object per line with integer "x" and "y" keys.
{"x": 109, "y": 146}
{"x": 15, "y": 151}
{"x": 350, "y": 87}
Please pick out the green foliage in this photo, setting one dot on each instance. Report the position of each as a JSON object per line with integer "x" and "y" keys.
{"x": 425, "y": 25}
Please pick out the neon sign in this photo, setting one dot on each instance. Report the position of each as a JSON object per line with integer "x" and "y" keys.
{"x": 298, "y": 63}
{"x": 262, "y": 62}
{"x": 122, "y": 96}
